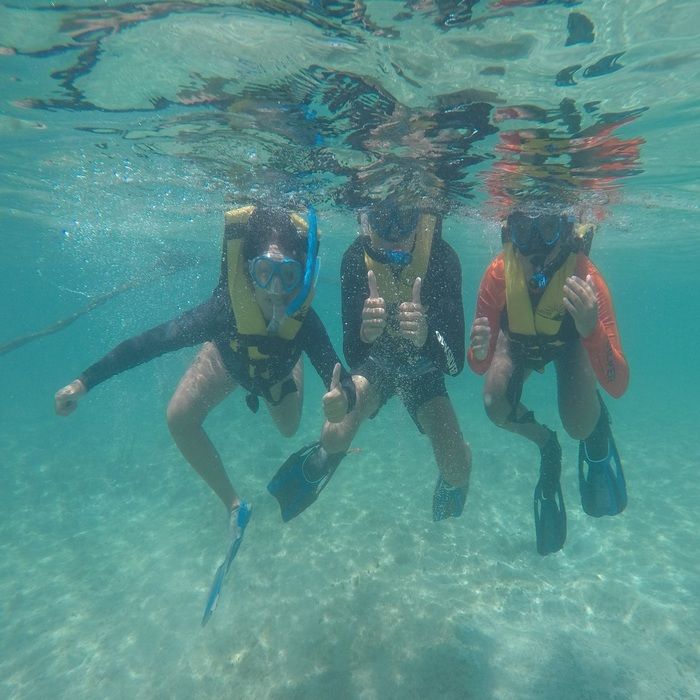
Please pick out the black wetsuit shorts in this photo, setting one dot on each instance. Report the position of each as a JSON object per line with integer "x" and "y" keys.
{"x": 414, "y": 384}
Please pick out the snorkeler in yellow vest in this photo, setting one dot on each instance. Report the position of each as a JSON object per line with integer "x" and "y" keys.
{"x": 542, "y": 300}
{"x": 254, "y": 329}
{"x": 403, "y": 330}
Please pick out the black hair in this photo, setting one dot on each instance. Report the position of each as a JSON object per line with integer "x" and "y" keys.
{"x": 267, "y": 226}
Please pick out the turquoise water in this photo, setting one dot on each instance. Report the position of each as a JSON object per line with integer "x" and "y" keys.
{"x": 125, "y": 131}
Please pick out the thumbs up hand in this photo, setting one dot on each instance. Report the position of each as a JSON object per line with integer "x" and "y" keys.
{"x": 335, "y": 401}
{"x": 413, "y": 324}
{"x": 373, "y": 313}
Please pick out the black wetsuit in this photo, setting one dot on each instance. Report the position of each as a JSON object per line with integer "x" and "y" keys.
{"x": 214, "y": 320}
{"x": 393, "y": 365}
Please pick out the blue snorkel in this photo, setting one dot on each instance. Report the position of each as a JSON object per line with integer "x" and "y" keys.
{"x": 312, "y": 264}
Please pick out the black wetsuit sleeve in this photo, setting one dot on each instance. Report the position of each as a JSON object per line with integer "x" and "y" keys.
{"x": 317, "y": 345}
{"x": 443, "y": 297}
{"x": 354, "y": 289}
{"x": 191, "y": 328}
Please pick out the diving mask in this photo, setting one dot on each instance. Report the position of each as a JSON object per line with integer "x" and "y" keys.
{"x": 530, "y": 234}
{"x": 265, "y": 268}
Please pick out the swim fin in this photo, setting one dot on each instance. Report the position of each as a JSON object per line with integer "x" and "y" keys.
{"x": 290, "y": 485}
{"x": 550, "y": 512}
{"x": 242, "y": 517}
{"x": 550, "y": 520}
{"x": 602, "y": 485}
{"x": 448, "y": 501}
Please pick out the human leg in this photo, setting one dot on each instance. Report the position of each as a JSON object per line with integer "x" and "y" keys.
{"x": 437, "y": 419}
{"x": 204, "y": 385}
{"x": 502, "y": 392}
{"x": 585, "y": 417}
{"x": 304, "y": 474}
{"x": 337, "y": 437}
{"x": 502, "y": 397}
{"x": 286, "y": 410}
{"x": 579, "y": 407}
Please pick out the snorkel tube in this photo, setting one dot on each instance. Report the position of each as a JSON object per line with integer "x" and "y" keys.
{"x": 312, "y": 264}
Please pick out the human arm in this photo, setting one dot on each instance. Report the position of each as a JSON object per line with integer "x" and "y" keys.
{"x": 374, "y": 315}
{"x": 442, "y": 301}
{"x": 191, "y": 328}
{"x": 490, "y": 302}
{"x": 354, "y": 292}
{"x": 317, "y": 345}
{"x": 413, "y": 321}
{"x": 602, "y": 342}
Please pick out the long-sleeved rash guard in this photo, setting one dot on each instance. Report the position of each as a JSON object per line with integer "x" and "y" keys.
{"x": 602, "y": 345}
{"x": 214, "y": 320}
{"x": 441, "y": 296}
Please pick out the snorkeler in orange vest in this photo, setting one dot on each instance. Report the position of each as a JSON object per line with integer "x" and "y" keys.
{"x": 542, "y": 300}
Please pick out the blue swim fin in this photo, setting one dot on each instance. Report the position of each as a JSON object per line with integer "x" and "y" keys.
{"x": 550, "y": 520}
{"x": 238, "y": 528}
{"x": 290, "y": 485}
{"x": 602, "y": 484}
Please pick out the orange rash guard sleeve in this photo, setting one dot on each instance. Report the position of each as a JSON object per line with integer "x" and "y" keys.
{"x": 490, "y": 303}
{"x": 603, "y": 344}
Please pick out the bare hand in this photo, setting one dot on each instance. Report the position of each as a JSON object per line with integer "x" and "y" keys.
{"x": 480, "y": 338}
{"x": 581, "y": 301}
{"x": 373, "y": 313}
{"x": 412, "y": 322}
{"x": 66, "y": 400}
{"x": 335, "y": 400}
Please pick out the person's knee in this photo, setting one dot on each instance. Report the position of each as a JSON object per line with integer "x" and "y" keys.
{"x": 181, "y": 417}
{"x": 578, "y": 429}
{"x": 288, "y": 428}
{"x": 580, "y": 422}
{"x": 497, "y": 408}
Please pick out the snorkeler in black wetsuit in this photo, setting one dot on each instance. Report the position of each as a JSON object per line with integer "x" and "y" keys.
{"x": 395, "y": 359}
{"x": 258, "y": 322}
{"x": 403, "y": 330}
{"x": 255, "y": 327}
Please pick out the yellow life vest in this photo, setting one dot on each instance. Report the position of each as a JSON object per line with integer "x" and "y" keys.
{"x": 541, "y": 324}
{"x": 396, "y": 286}
{"x": 250, "y": 322}
{"x": 546, "y": 317}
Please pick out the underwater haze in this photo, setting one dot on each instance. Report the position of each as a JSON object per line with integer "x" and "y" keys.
{"x": 126, "y": 131}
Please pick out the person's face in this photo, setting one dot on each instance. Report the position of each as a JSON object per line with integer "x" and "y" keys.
{"x": 394, "y": 226}
{"x": 538, "y": 259}
{"x": 404, "y": 244}
{"x": 535, "y": 238}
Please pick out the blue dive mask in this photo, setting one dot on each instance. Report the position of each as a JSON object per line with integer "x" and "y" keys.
{"x": 264, "y": 269}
